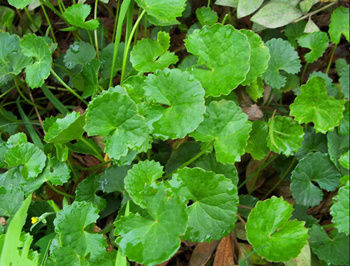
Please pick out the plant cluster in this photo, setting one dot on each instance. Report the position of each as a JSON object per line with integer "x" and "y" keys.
{"x": 141, "y": 147}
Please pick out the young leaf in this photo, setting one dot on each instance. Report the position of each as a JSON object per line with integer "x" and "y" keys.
{"x": 63, "y": 130}
{"x": 79, "y": 53}
{"x": 176, "y": 110}
{"x": 12, "y": 60}
{"x": 39, "y": 70}
{"x": 339, "y": 24}
{"x": 166, "y": 217}
{"x": 257, "y": 145}
{"x": 149, "y": 55}
{"x": 119, "y": 123}
{"x": 317, "y": 42}
{"x": 259, "y": 57}
{"x": 313, "y": 168}
{"x": 140, "y": 180}
{"x": 270, "y": 15}
{"x": 340, "y": 210}
{"x": 70, "y": 226}
{"x": 20, "y": 4}
{"x": 206, "y": 16}
{"x": 246, "y": 7}
{"x": 29, "y": 157}
{"x": 227, "y": 127}
{"x": 226, "y": 71}
{"x": 334, "y": 249}
{"x": 283, "y": 57}
{"x": 271, "y": 232}
{"x": 211, "y": 215}
{"x": 159, "y": 12}
{"x": 314, "y": 105}
{"x": 76, "y": 16}
{"x": 285, "y": 135}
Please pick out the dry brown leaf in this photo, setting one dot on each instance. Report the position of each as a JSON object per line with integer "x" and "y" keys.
{"x": 202, "y": 253}
{"x": 224, "y": 253}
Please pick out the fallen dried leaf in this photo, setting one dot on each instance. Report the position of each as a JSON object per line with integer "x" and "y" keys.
{"x": 224, "y": 253}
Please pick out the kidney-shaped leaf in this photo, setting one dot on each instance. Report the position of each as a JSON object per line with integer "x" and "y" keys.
{"x": 225, "y": 52}
{"x": 314, "y": 167}
{"x": 271, "y": 232}
{"x": 212, "y": 214}
{"x": 314, "y": 105}
{"x": 339, "y": 24}
{"x": 317, "y": 42}
{"x": 178, "y": 103}
{"x": 114, "y": 115}
{"x": 37, "y": 48}
{"x": 227, "y": 127}
{"x": 76, "y": 16}
{"x": 155, "y": 238}
{"x": 20, "y": 4}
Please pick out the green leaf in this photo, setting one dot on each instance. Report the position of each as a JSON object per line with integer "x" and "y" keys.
{"x": 270, "y": 15}
{"x": 56, "y": 172}
{"x": 317, "y": 42}
{"x": 271, "y": 232}
{"x": 71, "y": 227}
{"x": 14, "y": 251}
{"x": 293, "y": 31}
{"x": 337, "y": 146}
{"x": 312, "y": 142}
{"x": 76, "y": 16}
{"x": 214, "y": 200}
{"x": 340, "y": 210}
{"x": 20, "y": 4}
{"x": 209, "y": 163}
{"x": 88, "y": 80}
{"x": 79, "y": 53}
{"x": 140, "y": 180}
{"x": 314, "y": 105}
{"x": 86, "y": 191}
{"x": 37, "y": 48}
{"x": 154, "y": 238}
{"x": 7, "y": 16}
{"x": 9, "y": 191}
{"x": 339, "y": 24}
{"x": 344, "y": 81}
{"x": 206, "y": 16}
{"x": 159, "y": 12}
{"x": 285, "y": 135}
{"x": 259, "y": 57}
{"x": 149, "y": 55}
{"x": 305, "y": 5}
{"x": 344, "y": 160}
{"x": 247, "y": 7}
{"x": 65, "y": 129}
{"x": 29, "y": 157}
{"x": 225, "y": 72}
{"x": 178, "y": 109}
{"x": 112, "y": 179}
{"x": 120, "y": 123}
{"x": 313, "y": 168}
{"x": 12, "y": 60}
{"x": 231, "y": 3}
{"x": 334, "y": 250}
{"x": 227, "y": 127}
{"x": 283, "y": 57}
{"x": 257, "y": 144}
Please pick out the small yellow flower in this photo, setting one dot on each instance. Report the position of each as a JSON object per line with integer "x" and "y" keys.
{"x": 34, "y": 220}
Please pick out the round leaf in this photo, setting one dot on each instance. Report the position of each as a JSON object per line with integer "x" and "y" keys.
{"x": 339, "y": 24}
{"x": 317, "y": 42}
{"x": 340, "y": 210}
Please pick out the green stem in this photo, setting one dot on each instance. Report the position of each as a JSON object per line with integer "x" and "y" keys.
{"x": 314, "y": 12}
{"x": 32, "y": 20}
{"x": 328, "y": 226}
{"x": 59, "y": 191}
{"x": 123, "y": 10}
{"x": 116, "y": 21}
{"x": 331, "y": 58}
{"x": 67, "y": 87}
{"x": 6, "y": 92}
{"x": 127, "y": 47}
{"x": 282, "y": 178}
{"x": 224, "y": 19}
{"x": 257, "y": 175}
{"x": 23, "y": 96}
{"x": 61, "y": 6}
{"x": 95, "y": 31}
{"x": 303, "y": 73}
{"x": 208, "y": 3}
{"x": 257, "y": 171}
{"x": 97, "y": 154}
{"x": 49, "y": 23}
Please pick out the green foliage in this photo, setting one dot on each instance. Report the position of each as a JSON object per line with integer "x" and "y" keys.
{"x": 340, "y": 210}
{"x": 257, "y": 144}
{"x": 339, "y": 24}
{"x": 206, "y": 16}
{"x": 272, "y": 234}
{"x": 76, "y": 16}
{"x": 317, "y": 42}
{"x": 226, "y": 71}
{"x": 20, "y": 4}
{"x": 283, "y": 57}
{"x": 323, "y": 111}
